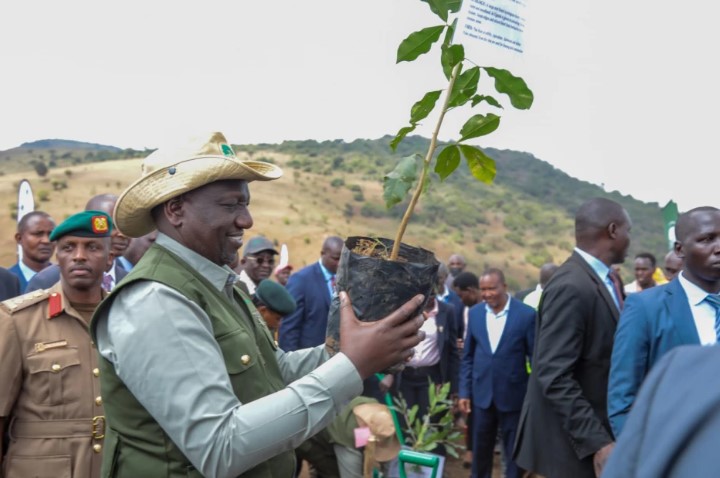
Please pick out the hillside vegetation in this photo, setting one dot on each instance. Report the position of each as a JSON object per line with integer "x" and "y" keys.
{"x": 334, "y": 187}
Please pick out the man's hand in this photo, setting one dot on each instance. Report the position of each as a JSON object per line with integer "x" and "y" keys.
{"x": 600, "y": 458}
{"x": 375, "y": 346}
{"x": 464, "y": 405}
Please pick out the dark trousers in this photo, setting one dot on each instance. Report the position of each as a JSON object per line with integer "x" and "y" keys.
{"x": 485, "y": 430}
{"x": 413, "y": 386}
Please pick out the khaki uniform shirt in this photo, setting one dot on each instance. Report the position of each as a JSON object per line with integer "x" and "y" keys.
{"x": 49, "y": 389}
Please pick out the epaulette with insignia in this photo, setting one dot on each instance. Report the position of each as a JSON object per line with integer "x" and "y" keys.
{"x": 24, "y": 301}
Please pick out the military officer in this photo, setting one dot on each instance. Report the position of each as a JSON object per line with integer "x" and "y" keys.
{"x": 50, "y": 399}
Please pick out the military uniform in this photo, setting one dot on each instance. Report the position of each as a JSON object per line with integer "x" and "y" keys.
{"x": 50, "y": 392}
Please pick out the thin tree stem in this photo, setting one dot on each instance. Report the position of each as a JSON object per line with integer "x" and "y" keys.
{"x": 426, "y": 166}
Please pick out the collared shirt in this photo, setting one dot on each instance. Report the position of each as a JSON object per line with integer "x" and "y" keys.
{"x": 533, "y": 298}
{"x": 445, "y": 296}
{"x": 249, "y": 283}
{"x": 126, "y": 264}
{"x": 702, "y": 312}
{"x": 427, "y": 352}
{"x": 602, "y": 272}
{"x": 188, "y": 391}
{"x": 26, "y": 271}
{"x": 328, "y": 278}
{"x": 496, "y": 324}
{"x": 110, "y": 277}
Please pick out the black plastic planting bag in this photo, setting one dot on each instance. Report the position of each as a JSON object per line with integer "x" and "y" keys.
{"x": 378, "y": 286}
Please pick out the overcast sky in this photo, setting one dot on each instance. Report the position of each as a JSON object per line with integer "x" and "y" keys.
{"x": 625, "y": 92}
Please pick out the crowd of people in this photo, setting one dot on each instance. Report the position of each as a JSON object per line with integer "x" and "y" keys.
{"x": 160, "y": 343}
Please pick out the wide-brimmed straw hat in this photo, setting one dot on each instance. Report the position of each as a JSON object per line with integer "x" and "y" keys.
{"x": 169, "y": 172}
{"x": 377, "y": 418}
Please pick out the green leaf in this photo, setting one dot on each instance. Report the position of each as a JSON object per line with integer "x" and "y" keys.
{"x": 418, "y": 42}
{"x": 422, "y": 108}
{"x": 439, "y": 8}
{"x": 451, "y": 451}
{"x": 449, "y": 33}
{"x": 515, "y": 87}
{"x": 479, "y": 125}
{"x": 398, "y": 182}
{"x": 448, "y": 161}
{"x": 430, "y": 446}
{"x": 465, "y": 86}
{"x": 488, "y": 99}
{"x": 431, "y": 394}
{"x": 454, "y": 5}
{"x": 450, "y": 57}
{"x": 412, "y": 413}
{"x": 400, "y": 136}
{"x": 444, "y": 391}
{"x": 481, "y": 166}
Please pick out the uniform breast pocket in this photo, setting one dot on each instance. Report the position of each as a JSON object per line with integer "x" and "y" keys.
{"x": 39, "y": 466}
{"x": 54, "y": 376}
{"x": 239, "y": 350}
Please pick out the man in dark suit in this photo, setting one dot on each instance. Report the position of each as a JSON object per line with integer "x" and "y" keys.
{"x": 447, "y": 295}
{"x": 33, "y": 236}
{"x": 312, "y": 287}
{"x": 661, "y": 318}
{"x": 9, "y": 284}
{"x": 501, "y": 334}
{"x": 436, "y": 358}
{"x": 666, "y": 435}
{"x": 564, "y": 430}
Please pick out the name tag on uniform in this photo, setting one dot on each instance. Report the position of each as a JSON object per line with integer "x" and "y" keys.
{"x": 43, "y": 346}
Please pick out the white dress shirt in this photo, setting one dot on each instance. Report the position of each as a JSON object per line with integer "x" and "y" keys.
{"x": 496, "y": 324}
{"x": 703, "y": 313}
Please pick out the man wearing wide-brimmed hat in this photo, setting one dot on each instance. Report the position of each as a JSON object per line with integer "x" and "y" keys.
{"x": 194, "y": 384}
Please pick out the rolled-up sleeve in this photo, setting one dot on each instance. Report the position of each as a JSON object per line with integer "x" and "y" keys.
{"x": 163, "y": 349}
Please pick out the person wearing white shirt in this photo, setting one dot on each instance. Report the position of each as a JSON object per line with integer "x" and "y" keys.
{"x": 659, "y": 319}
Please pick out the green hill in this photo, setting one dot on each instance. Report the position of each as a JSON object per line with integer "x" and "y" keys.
{"x": 517, "y": 223}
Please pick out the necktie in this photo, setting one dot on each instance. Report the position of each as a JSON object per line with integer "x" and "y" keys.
{"x": 617, "y": 287}
{"x": 333, "y": 286}
{"x": 714, "y": 300}
{"x": 107, "y": 283}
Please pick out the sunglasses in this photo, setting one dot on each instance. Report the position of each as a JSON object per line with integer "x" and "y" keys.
{"x": 262, "y": 260}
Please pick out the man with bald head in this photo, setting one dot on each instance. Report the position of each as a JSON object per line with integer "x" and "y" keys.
{"x": 673, "y": 265}
{"x": 564, "y": 430}
{"x": 312, "y": 287}
{"x": 677, "y": 313}
{"x": 118, "y": 244}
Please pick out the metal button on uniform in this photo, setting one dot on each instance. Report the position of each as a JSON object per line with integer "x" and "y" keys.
{"x": 97, "y": 448}
{"x": 56, "y": 367}
{"x": 98, "y": 401}
{"x": 245, "y": 359}
{"x": 96, "y": 372}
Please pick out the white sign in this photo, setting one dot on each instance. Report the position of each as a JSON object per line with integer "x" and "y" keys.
{"x": 496, "y": 25}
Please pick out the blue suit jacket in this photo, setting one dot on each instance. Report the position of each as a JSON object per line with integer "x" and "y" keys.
{"x": 500, "y": 378}
{"x": 9, "y": 285}
{"x": 673, "y": 430}
{"x": 447, "y": 345}
{"x": 652, "y": 322}
{"x": 21, "y": 278}
{"x": 307, "y": 326}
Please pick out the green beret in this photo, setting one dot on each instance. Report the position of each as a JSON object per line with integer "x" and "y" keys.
{"x": 84, "y": 224}
{"x": 275, "y": 297}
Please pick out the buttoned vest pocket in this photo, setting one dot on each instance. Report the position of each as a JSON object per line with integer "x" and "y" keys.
{"x": 239, "y": 350}
{"x": 53, "y": 376}
{"x": 39, "y": 467}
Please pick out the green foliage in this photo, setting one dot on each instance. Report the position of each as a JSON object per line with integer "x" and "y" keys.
{"x": 436, "y": 428}
{"x": 40, "y": 168}
{"x": 43, "y": 195}
{"x": 462, "y": 89}
{"x": 397, "y": 183}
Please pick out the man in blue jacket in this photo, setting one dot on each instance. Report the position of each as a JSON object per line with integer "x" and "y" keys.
{"x": 312, "y": 287}
{"x": 677, "y": 313}
{"x": 493, "y": 375}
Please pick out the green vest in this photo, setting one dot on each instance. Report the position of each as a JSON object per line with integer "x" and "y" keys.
{"x": 135, "y": 445}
